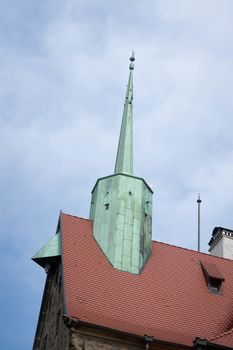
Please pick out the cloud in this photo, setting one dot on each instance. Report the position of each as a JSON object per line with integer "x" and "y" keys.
{"x": 64, "y": 70}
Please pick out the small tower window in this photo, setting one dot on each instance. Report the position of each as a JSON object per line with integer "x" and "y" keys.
{"x": 106, "y": 206}
{"x": 57, "y": 323}
{"x": 59, "y": 285}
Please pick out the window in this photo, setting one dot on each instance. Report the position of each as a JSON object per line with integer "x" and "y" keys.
{"x": 59, "y": 285}
{"x": 106, "y": 206}
{"x": 215, "y": 285}
{"x": 57, "y": 323}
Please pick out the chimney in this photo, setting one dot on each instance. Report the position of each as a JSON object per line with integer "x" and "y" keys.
{"x": 221, "y": 243}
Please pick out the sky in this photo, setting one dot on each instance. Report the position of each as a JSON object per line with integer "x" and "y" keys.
{"x": 63, "y": 72}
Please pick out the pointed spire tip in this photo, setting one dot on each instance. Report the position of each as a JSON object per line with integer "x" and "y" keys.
{"x": 124, "y": 159}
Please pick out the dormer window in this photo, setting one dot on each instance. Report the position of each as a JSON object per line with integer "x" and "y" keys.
{"x": 213, "y": 277}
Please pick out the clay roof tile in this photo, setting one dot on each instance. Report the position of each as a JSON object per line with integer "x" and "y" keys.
{"x": 169, "y": 299}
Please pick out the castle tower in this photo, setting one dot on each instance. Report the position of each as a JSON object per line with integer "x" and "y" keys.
{"x": 121, "y": 204}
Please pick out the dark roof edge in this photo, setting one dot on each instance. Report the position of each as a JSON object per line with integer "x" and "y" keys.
{"x": 202, "y": 344}
{"x": 60, "y": 224}
{"x": 72, "y": 322}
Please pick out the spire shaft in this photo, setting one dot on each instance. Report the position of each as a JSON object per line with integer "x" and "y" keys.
{"x": 199, "y": 223}
{"x": 124, "y": 159}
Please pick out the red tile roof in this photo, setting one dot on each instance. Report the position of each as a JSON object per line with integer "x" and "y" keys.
{"x": 169, "y": 299}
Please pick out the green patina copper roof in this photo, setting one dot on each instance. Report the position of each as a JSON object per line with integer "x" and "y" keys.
{"x": 50, "y": 249}
{"x": 121, "y": 204}
{"x": 124, "y": 159}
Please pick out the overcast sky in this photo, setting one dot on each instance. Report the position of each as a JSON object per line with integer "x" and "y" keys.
{"x": 63, "y": 73}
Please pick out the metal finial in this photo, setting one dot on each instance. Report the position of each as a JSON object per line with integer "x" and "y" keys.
{"x": 199, "y": 223}
{"x": 132, "y": 59}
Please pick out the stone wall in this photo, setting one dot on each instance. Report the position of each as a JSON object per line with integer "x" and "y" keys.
{"x": 87, "y": 342}
{"x": 52, "y": 334}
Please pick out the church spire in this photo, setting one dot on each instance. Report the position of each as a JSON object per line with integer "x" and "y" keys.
{"x": 121, "y": 203}
{"x": 124, "y": 159}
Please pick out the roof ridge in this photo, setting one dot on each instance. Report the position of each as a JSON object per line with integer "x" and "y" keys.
{"x": 154, "y": 241}
{"x": 192, "y": 250}
{"x": 75, "y": 216}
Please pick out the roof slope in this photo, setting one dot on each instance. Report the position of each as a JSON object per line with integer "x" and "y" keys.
{"x": 168, "y": 300}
